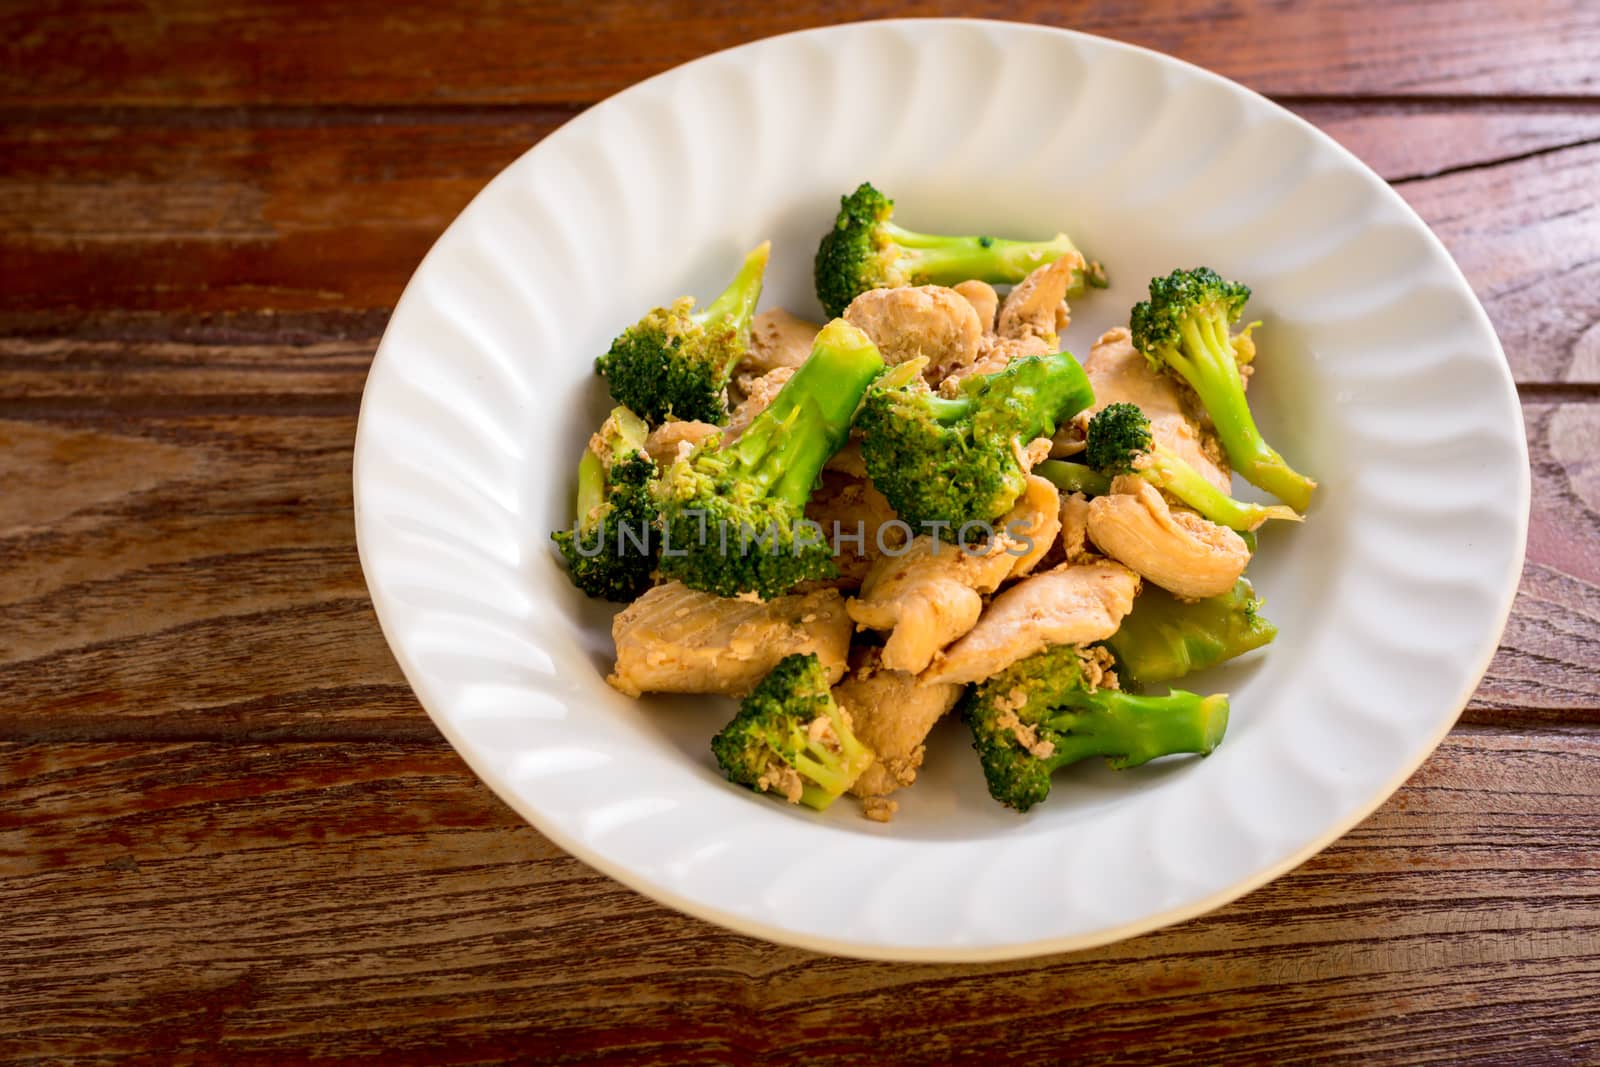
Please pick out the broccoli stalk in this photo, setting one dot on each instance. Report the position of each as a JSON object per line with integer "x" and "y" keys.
{"x": 734, "y": 516}
{"x": 1183, "y": 327}
{"x": 1042, "y": 713}
{"x": 790, "y": 737}
{"x": 1119, "y": 442}
{"x": 865, "y": 250}
{"x": 951, "y": 461}
{"x": 611, "y": 549}
{"x": 1072, "y": 477}
{"x": 1165, "y": 638}
{"x": 675, "y": 362}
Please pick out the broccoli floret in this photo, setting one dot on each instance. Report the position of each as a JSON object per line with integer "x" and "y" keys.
{"x": 790, "y": 737}
{"x": 1183, "y": 327}
{"x": 865, "y": 250}
{"x": 612, "y": 546}
{"x": 1041, "y": 713}
{"x": 1119, "y": 442}
{"x": 951, "y": 461}
{"x": 1072, "y": 477}
{"x": 1165, "y": 638}
{"x": 734, "y": 516}
{"x": 675, "y": 362}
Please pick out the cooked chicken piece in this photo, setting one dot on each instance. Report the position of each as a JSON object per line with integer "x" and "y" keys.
{"x": 891, "y": 713}
{"x": 765, "y": 385}
{"x": 1037, "y": 307}
{"x": 984, "y": 300}
{"x": 919, "y": 320}
{"x": 848, "y": 460}
{"x": 1120, "y": 374}
{"x": 1030, "y": 321}
{"x": 853, "y": 515}
{"x": 1075, "y": 527}
{"x": 758, "y": 393}
{"x": 928, "y": 596}
{"x": 1035, "y": 519}
{"x": 676, "y": 640}
{"x": 671, "y": 440}
{"x": 1070, "y": 437}
{"x": 1178, "y": 550}
{"x": 778, "y": 339}
{"x": 1071, "y": 605}
{"x": 1034, "y": 453}
{"x": 995, "y": 354}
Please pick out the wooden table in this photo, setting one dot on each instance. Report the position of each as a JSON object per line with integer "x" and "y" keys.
{"x": 228, "y": 833}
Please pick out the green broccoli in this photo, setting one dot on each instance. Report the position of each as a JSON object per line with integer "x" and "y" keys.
{"x": 1072, "y": 477}
{"x": 951, "y": 461}
{"x": 790, "y": 737}
{"x": 1165, "y": 638}
{"x": 1183, "y": 327}
{"x": 734, "y": 515}
{"x": 1119, "y": 442}
{"x": 675, "y": 362}
{"x": 864, "y": 250}
{"x": 612, "y": 546}
{"x": 1043, "y": 712}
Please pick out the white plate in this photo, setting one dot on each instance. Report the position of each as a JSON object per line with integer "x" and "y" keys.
{"x": 1379, "y": 373}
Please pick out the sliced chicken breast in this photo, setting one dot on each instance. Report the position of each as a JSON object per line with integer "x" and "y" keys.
{"x": 677, "y": 640}
{"x": 1178, "y": 550}
{"x": 891, "y": 712}
{"x": 1071, "y": 605}
{"x": 928, "y": 597}
{"x": 919, "y": 320}
{"x": 1120, "y": 374}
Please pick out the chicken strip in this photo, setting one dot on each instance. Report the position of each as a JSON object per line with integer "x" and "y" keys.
{"x": 1075, "y": 527}
{"x": 919, "y": 320}
{"x": 1029, "y": 323}
{"x": 778, "y": 339}
{"x": 1037, "y": 307}
{"x": 1071, "y": 605}
{"x": 1120, "y": 374}
{"x": 758, "y": 393}
{"x": 928, "y": 596}
{"x": 854, "y": 518}
{"x": 891, "y": 713}
{"x": 995, "y": 354}
{"x": 1178, "y": 550}
{"x": 672, "y": 440}
{"x": 676, "y": 640}
{"x": 984, "y": 300}
{"x": 1034, "y": 520}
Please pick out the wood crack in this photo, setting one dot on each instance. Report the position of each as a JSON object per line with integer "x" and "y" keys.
{"x": 1490, "y": 164}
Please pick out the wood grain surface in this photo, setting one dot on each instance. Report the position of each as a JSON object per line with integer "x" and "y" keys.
{"x": 259, "y": 229}
{"x": 228, "y": 834}
{"x": 150, "y": 883}
{"x": 374, "y": 52}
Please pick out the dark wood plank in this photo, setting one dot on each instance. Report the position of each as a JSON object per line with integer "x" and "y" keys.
{"x": 256, "y": 903}
{"x": 44, "y": 373}
{"x": 1527, "y": 236}
{"x": 225, "y": 52}
{"x": 188, "y": 574}
{"x": 195, "y": 576}
{"x": 233, "y": 218}
{"x": 261, "y": 233}
{"x": 1558, "y": 605}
